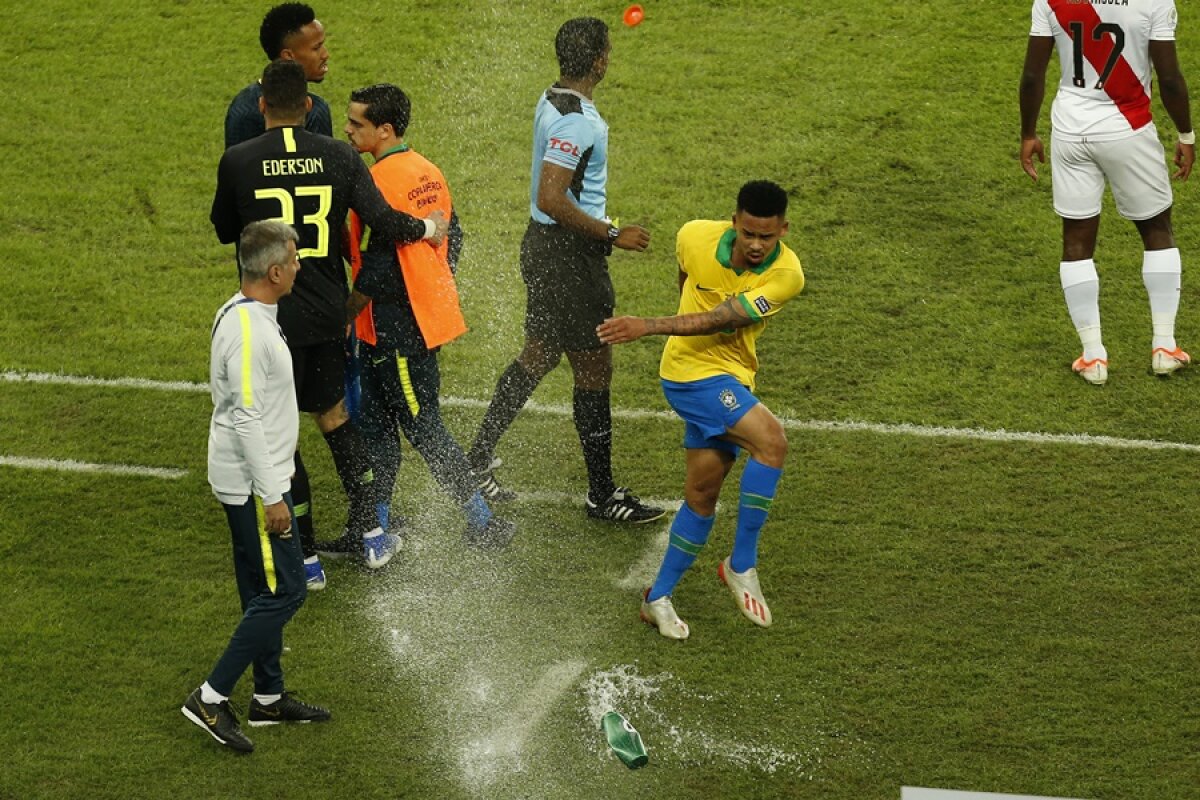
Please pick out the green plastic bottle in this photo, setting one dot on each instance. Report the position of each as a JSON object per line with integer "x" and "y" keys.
{"x": 624, "y": 740}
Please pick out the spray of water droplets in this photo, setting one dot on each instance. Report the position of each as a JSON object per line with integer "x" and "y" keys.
{"x": 655, "y": 703}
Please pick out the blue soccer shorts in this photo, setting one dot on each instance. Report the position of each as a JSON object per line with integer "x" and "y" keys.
{"x": 709, "y": 407}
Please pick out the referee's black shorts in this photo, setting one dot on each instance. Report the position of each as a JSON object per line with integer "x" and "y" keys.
{"x": 568, "y": 289}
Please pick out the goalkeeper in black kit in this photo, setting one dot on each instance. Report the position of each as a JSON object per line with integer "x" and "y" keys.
{"x": 310, "y": 182}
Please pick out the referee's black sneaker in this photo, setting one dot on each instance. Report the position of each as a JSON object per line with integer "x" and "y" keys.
{"x": 285, "y": 709}
{"x": 623, "y": 506}
{"x": 345, "y": 546}
{"x": 485, "y": 480}
{"x": 219, "y": 720}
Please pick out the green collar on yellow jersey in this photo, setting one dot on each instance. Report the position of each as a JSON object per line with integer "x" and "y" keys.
{"x": 725, "y": 254}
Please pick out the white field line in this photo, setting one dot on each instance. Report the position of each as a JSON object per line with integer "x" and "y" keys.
{"x": 558, "y": 409}
{"x": 641, "y": 572}
{"x": 82, "y": 466}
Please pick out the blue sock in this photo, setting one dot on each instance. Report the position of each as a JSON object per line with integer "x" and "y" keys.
{"x": 758, "y": 490}
{"x": 477, "y": 511}
{"x": 382, "y": 513}
{"x": 689, "y": 532}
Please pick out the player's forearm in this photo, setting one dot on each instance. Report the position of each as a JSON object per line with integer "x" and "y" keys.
{"x": 1032, "y": 93}
{"x": 383, "y": 220}
{"x": 1173, "y": 91}
{"x": 1033, "y": 82}
{"x": 567, "y": 214}
{"x": 701, "y": 323}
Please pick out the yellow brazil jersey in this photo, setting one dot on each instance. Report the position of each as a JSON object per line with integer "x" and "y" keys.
{"x": 704, "y": 249}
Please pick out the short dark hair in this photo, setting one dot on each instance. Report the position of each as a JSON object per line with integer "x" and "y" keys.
{"x": 284, "y": 86}
{"x": 579, "y": 43}
{"x": 762, "y": 199}
{"x": 263, "y": 244}
{"x": 386, "y": 103}
{"x": 281, "y": 22}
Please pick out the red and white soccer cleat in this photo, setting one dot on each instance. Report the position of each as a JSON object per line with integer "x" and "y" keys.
{"x": 1094, "y": 372}
{"x": 661, "y": 614}
{"x": 747, "y": 593}
{"x": 1164, "y": 361}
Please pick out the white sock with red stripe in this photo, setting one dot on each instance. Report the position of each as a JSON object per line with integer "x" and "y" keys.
{"x": 1161, "y": 270}
{"x": 1081, "y": 288}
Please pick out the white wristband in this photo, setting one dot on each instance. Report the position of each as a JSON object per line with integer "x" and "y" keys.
{"x": 430, "y": 228}
{"x": 1187, "y": 138}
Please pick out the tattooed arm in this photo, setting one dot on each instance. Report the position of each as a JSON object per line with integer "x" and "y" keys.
{"x": 729, "y": 314}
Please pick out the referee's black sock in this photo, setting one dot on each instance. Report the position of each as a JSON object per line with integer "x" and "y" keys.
{"x": 302, "y": 506}
{"x": 353, "y": 464}
{"x": 512, "y": 392}
{"x": 593, "y": 422}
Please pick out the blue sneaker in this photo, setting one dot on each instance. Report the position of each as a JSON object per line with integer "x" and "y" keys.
{"x": 379, "y": 547}
{"x": 314, "y": 574}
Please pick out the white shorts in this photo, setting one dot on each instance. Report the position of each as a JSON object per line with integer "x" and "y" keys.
{"x": 1136, "y": 169}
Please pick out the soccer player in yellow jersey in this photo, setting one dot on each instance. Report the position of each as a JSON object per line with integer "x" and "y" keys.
{"x": 731, "y": 278}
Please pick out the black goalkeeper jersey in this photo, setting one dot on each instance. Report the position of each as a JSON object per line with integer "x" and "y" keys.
{"x": 310, "y": 182}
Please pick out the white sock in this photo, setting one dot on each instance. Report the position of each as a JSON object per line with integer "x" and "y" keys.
{"x": 210, "y": 695}
{"x": 1081, "y": 288}
{"x": 313, "y": 560}
{"x": 267, "y": 699}
{"x": 377, "y": 531}
{"x": 1161, "y": 274}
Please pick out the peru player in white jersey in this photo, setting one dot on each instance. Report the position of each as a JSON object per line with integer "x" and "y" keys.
{"x": 1102, "y": 131}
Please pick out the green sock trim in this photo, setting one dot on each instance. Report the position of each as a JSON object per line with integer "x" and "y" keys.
{"x": 756, "y": 501}
{"x": 691, "y": 548}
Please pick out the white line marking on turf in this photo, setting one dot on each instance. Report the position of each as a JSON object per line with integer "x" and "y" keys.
{"x": 641, "y": 572}
{"x": 118, "y": 383}
{"x": 83, "y": 466}
{"x": 899, "y": 429}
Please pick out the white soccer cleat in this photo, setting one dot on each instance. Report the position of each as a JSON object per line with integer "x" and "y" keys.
{"x": 1095, "y": 371}
{"x": 747, "y": 593}
{"x": 661, "y": 614}
{"x": 1164, "y": 361}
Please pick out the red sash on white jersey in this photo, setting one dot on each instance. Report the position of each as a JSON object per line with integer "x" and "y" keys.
{"x": 1122, "y": 84}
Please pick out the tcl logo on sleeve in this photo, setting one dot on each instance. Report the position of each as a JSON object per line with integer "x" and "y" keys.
{"x": 565, "y": 146}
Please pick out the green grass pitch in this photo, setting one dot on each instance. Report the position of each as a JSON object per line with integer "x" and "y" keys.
{"x": 996, "y": 614}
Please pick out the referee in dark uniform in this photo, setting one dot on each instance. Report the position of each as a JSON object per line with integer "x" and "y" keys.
{"x": 310, "y": 182}
{"x": 564, "y": 262}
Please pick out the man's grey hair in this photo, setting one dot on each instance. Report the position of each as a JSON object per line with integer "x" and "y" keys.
{"x": 262, "y": 244}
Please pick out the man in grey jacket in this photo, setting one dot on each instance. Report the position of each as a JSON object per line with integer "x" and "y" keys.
{"x": 251, "y": 444}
